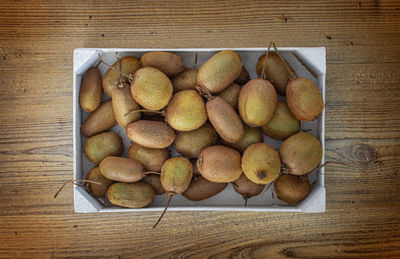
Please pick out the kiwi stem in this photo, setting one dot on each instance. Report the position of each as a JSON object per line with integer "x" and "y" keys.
{"x": 113, "y": 68}
{"x": 292, "y": 74}
{"x": 204, "y": 93}
{"x": 263, "y": 73}
{"x": 169, "y": 195}
{"x": 152, "y": 111}
{"x": 269, "y": 185}
{"x": 246, "y": 197}
{"x": 73, "y": 182}
{"x": 324, "y": 164}
{"x": 147, "y": 173}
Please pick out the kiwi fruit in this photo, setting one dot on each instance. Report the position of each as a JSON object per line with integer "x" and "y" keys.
{"x": 151, "y": 88}
{"x": 200, "y": 189}
{"x": 126, "y": 65}
{"x": 186, "y": 111}
{"x": 301, "y": 153}
{"x": 257, "y": 102}
{"x": 187, "y": 80}
{"x": 251, "y": 136}
{"x": 155, "y": 182}
{"x": 97, "y": 190}
{"x": 247, "y": 188}
{"x": 121, "y": 169}
{"x": 100, "y": 120}
{"x": 304, "y": 99}
{"x": 219, "y": 164}
{"x": 243, "y": 77}
{"x": 225, "y": 120}
{"x": 103, "y": 145}
{"x": 150, "y": 134}
{"x": 261, "y": 163}
{"x": 131, "y": 195}
{"x": 123, "y": 103}
{"x": 231, "y": 95}
{"x": 219, "y": 71}
{"x": 151, "y": 158}
{"x": 275, "y": 71}
{"x": 169, "y": 63}
{"x": 91, "y": 92}
{"x": 292, "y": 188}
{"x": 190, "y": 143}
{"x": 283, "y": 124}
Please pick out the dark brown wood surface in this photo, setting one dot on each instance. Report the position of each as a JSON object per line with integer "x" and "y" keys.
{"x": 362, "y": 128}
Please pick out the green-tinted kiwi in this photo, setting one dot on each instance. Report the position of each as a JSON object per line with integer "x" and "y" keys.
{"x": 243, "y": 77}
{"x": 251, "y": 136}
{"x": 292, "y": 188}
{"x": 123, "y": 103}
{"x": 91, "y": 92}
{"x": 283, "y": 124}
{"x": 121, "y": 169}
{"x": 131, "y": 195}
{"x": 100, "y": 120}
{"x": 200, "y": 189}
{"x": 169, "y": 63}
{"x": 155, "y": 182}
{"x": 261, "y": 163}
{"x": 151, "y": 158}
{"x": 97, "y": 190}
{"x": 187, "y": 80}
{"x": 103, "y": 145}
{"x": 247, "y": 188}
{"x": 231, "y": 95}
{"x": 301, "y": 153}
{"x": 150, "y": 134}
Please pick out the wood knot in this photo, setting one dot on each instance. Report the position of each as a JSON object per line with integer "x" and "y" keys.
{"x": 363, "y": 154}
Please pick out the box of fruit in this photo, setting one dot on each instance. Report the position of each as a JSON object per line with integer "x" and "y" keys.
{"x": 202, "y": 129}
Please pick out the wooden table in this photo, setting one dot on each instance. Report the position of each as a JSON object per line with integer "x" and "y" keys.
{"x": 362, "y": 128}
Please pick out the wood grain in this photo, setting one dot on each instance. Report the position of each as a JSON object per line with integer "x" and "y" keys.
{"x": 362, "y": 128}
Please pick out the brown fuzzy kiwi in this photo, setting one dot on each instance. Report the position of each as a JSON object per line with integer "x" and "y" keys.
{"x": 155, "y": 182}
{"x": 190, "y": 143}
{"x": 200, "y": 189}
{"x": 123, "y": 103}
{"x": 247, "y": 188}
{"x": 219, "y": 164}
{"x": 150, "y": 134}
{"x": 186, "y": 111}
{"x": 219, "y": 71}
{"x": 126, "y": 65}
{"x": 122, "y": 169}
{"x": 131, "y": 195}
{"x": 301, "y": 153}
{"x": 97, "y": 190}
{"x": 261, "y": 163}
{"x": 257, "y": 102}
{"x": 304, "y": 99}
{"x": 151, "y": 158}
{"x": 187, "y": 80}
{"x": 225, "y": 120}
{"x": 169, "y": 63}
{"x": 283, "y": 124}
{"x": 103, "y": 145}
{"x": 231, "y": 95}
{"x": 243, "y": 77}
{"x": 100, "y": 120}
{"x": 251, "y": 136}
{"x": 292, "y": 188}
{"x": 151, "y": 88}
{"x": 90, "y": 93}
{"x": 275, "y": 70}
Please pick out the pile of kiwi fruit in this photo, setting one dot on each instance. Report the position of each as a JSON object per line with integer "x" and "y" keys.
{"x": 215, "y": 117}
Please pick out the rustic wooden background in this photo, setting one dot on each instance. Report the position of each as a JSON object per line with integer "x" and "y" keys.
{"x": 362, "y": 127}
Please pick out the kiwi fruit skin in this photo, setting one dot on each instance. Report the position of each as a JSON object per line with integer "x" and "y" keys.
{"x": 304, "y": 99}
{"x": 176, "y": 174}
{"x": 98, "y": 191}
{"x": 129, "y": 66}
{"x": 151, "y": 88}
{"x": 169, "y": 63}
{"x": 257, "y": 102}
{"x": 121, "y": 169}
{"x": 225, "y": 120}
{"x": 292, "y": 188}
{"x": 231, "y": 95}
{"x": 151, "y": 158}
{"x": 186, "y": 111}
{"x": 150, "y": 134}
{"x": 91, "y": 91}
{"x": 102, "y": 145}
{"x": 123, "y": 103}
{"x": 276, "y": 71}
{"x": 131, "y": 195}
{"x": 301, "y": 153}
{"x": 283, "y": 124}
{"x": 247, "y": 188}
{"x": 243, "y": 77}
{"x": 261, "y": 163}
{"x": 219, "y": 164}
{"x": 190, "y": 143}
{"x": 219, "y": 71}
{"x": 251, "y": 136}
{"x": 100, "y": 120}
{"x": 200, "y": 189}
{"x": 155, "y": 182}
{"x": 187, "y": 80}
